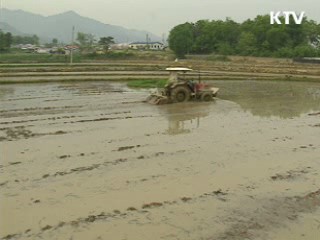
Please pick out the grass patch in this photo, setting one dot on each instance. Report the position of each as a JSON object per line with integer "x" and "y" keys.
{"x": 147, "y": 83}
{"x": 115, "y": 55}
{"x": 209, "y": 57}
{"x": 35, "y": 58}
{"x": 218, "y": 58}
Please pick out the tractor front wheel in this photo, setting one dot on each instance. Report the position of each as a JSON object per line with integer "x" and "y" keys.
{"x": 206, "y": 97}
{"x": 180, "y": 94}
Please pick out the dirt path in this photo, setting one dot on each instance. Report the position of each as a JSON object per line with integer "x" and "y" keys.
{"x": 91, "y": 161}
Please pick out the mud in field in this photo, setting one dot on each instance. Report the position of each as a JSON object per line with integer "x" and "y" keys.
{"x": 90, "y": 160}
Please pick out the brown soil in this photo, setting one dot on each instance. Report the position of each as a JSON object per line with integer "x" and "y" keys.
{"x": 92, "y": 161}
{"x": 241, "y": 68}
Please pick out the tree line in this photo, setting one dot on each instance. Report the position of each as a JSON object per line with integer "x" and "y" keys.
{"x": 255, "y": 37}
{"x": 88, "y": 41}
{"x": 7, "y": 39}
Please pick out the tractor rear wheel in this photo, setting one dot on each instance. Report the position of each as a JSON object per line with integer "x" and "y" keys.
{"x": 180, "y": 94}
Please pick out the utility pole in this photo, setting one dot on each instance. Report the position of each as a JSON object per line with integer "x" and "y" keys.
{"x": 147, "y": 40}
{"x": 163, "y": 37}
{"x": 71, "y": 49}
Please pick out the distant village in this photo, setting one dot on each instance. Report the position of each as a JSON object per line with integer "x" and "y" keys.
{"x": 66, "y": 49}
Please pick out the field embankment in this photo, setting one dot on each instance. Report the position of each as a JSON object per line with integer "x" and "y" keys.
{"x": 236, "y": 68}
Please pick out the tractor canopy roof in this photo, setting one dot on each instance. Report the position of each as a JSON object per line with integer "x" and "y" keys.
{"x": 178, "y": 69}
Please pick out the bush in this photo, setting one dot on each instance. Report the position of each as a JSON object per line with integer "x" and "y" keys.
{"x": 225, "y": 49}
{"x": 305, "y": 51}
{"x": 285, "y": 52}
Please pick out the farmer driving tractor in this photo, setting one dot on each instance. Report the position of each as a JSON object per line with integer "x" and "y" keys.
{"x": 181, "y": 90}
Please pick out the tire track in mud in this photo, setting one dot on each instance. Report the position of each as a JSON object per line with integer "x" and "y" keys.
{"x": 20, "y": 132}
{"x": 292, "y": 174}
{"x": 38, "y": 111}
{"x": 109, "y": 118}
{"x": 92, "y": 166}
{"x": 59, "y": 118}
{"x": 117, "y": 214}
{"x": 24, "y": 98}
{"x": 272, "y": 213}
{"x": 38, "y": 108}
{"x": 269, "y": 213}
{"x": 315, "y": 114}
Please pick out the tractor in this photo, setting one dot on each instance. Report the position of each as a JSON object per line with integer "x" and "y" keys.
{"x": 179, "y": 89}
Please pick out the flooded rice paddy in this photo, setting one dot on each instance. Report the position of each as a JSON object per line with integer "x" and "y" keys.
{"x": 90, "y": 160}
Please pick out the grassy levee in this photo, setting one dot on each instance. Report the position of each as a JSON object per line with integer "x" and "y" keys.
{"x": 6, "y": 58}
{"x": 29, "y": 58}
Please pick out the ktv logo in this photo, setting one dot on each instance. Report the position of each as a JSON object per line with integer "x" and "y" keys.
{"x": 288, "y": 17}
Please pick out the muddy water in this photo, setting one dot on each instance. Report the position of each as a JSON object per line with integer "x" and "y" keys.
{"x": 91, "y": 161}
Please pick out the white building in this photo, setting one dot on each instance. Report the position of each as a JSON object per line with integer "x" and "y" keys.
{"x": 147, "y": 45}
{"x": 43, "y": 50}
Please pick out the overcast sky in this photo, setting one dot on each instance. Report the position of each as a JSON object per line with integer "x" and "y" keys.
{"x": 159, "y": 16}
